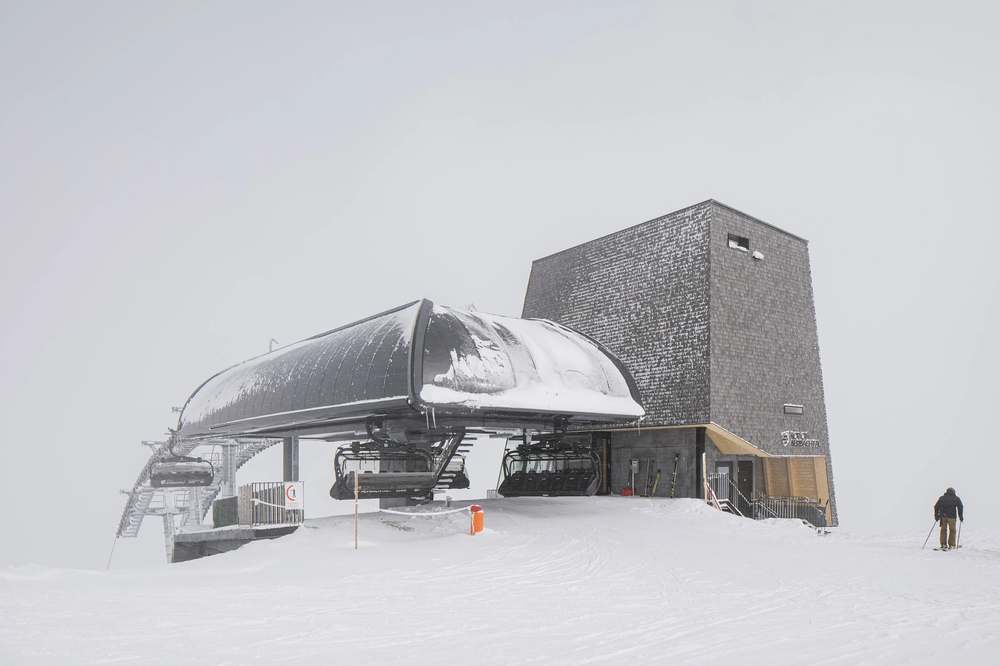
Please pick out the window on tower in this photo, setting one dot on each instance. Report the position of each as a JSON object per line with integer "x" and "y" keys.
{"x": 739, "y": 243}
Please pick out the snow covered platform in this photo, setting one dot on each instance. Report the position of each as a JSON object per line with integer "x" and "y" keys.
{"x": 603, "y": 580}
{"x": 202, "y": 543}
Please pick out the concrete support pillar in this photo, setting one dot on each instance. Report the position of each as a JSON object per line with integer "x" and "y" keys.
{"x": 699, "y": 449}
{"x": 290, "y": 466}
{"x": 194, "y": 505}
{"x": 228, "y": 471}
{"x": 168, "y": 536}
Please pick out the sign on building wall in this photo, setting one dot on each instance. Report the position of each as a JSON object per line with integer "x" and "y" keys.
{"x": 294, "y": 495}
{"x": 797, "y": 438}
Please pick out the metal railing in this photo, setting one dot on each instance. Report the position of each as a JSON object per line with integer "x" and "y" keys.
{"x": 264, "y": 504}
{"x": 801, "y": 508}
{"x": 729, "y": 496}
{"x": 761, "y": 506}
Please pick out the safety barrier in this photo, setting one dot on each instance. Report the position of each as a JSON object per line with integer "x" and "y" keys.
{"x": 475, "y": 511}
{"x": 761, "y": 506}
{"x": 264, "y": 504}
{"x": 801, "y": 508}
{"x": 728, "y": 495}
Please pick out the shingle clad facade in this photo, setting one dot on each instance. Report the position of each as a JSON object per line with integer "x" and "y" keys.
{"x": 644, "y": 293}
{"x": 712, "y": 332}
{"x": 764, "y": 349}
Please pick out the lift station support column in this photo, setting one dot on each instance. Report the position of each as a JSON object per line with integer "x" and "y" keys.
{"x": 290, "y": 466}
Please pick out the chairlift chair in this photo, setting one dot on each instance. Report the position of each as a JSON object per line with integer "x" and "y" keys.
{"x": 399, "y": 471}
{"x": 181, "y": 472}
{"x": 550, "y": 467}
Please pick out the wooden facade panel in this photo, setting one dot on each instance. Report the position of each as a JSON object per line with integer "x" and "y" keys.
{"x": 823, "y": 484}
{"x": 796, "y": 477}
{"x": 802, "y": 475}
{"x": 776, "y": 472}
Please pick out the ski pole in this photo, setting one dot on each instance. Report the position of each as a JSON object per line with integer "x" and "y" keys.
{"x": 958, "y": 541}
{"x": 929, "y": 534}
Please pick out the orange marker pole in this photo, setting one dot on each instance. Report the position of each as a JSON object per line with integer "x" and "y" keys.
{"x": 476, "y": 522}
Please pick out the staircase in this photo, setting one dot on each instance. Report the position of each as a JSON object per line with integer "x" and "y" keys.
{"x": 453, "y": 475}
{"x": 137, "y": 507}
{"x": 728, "y": 494}
{"x": 762, "y": 507}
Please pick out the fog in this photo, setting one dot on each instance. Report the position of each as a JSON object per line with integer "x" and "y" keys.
{"x": 180, "y": 183}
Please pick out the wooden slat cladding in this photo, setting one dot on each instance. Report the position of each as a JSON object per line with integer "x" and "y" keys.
{"x": 823, "y": 485}
{"x": 776, "y": 472}
{"x": 798, "y": 476}
{"x": 802, "y": 477}
{"x": 793, "y": 477}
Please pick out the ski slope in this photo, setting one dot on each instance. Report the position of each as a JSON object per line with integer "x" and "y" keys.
{"x": 549, "y": 581}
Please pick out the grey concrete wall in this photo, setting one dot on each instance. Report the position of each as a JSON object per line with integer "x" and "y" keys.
{"x": 764, "y": 345}
{"x": 659, "y": 445}
{"x": 642, "y": 292}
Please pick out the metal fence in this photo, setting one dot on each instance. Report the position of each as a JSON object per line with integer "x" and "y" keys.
{"x": 264, "y": 504}
{"x": 729, "y": 496}
{"x": 802, "y": 508}
{"x": 761, "y": 506}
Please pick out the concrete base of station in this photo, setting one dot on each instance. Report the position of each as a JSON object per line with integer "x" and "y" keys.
{"x": 396, "y": 502}
{"x": 193, "y": 545}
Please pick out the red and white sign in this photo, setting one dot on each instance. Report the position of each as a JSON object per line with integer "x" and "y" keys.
{"x": 295, "y": 497}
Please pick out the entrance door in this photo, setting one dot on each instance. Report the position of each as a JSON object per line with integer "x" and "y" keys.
{"x": 725, "y": 473}
{"x": 744, "y": 483}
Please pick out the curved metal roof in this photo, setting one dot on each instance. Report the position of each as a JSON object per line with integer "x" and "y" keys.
{"x": 415, "y": 360}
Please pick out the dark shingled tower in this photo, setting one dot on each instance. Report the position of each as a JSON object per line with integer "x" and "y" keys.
{"x": 712, "y": 311}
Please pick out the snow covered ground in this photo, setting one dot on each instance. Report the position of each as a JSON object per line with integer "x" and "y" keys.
{"x": 550, "y": 581}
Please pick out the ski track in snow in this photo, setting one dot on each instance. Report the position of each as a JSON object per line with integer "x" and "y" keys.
{"x": 550, "y": 581}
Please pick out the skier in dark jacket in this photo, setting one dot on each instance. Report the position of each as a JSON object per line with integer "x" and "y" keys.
{"x": 947, "y": 508}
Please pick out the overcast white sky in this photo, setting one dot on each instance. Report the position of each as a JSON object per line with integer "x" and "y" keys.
{"x": 181, "y": 182}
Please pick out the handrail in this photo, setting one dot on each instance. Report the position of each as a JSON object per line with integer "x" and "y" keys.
{"x": 764, "y": 506}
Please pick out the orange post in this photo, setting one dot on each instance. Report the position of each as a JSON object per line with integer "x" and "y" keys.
{"x": 477, "y": 519}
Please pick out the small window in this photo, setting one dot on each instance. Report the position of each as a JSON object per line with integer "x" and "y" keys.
{"x": 794, "y": 409}
{"x": 739, "y": 243}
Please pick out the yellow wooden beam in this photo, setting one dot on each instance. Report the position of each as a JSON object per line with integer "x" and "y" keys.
{"x": 731, "y": 444}
{"x": 823, "y": 486}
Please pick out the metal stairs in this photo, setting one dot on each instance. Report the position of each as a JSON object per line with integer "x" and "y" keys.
{"x": 453, "y": 475}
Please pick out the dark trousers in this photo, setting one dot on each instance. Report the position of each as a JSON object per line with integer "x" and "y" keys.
{"x": 948, "y": 532}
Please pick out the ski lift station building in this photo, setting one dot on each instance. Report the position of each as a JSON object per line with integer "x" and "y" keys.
{"x": 676, "y": 358}
{"x": 712, "y": 311}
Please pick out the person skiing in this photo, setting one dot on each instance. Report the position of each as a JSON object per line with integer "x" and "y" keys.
{"x": 947, "y": 508}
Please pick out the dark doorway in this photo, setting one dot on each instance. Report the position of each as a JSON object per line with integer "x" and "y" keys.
{"x": 744, "y": 483}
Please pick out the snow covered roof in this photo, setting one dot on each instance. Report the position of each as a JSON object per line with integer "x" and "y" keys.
{"x": 471, "y": 366}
